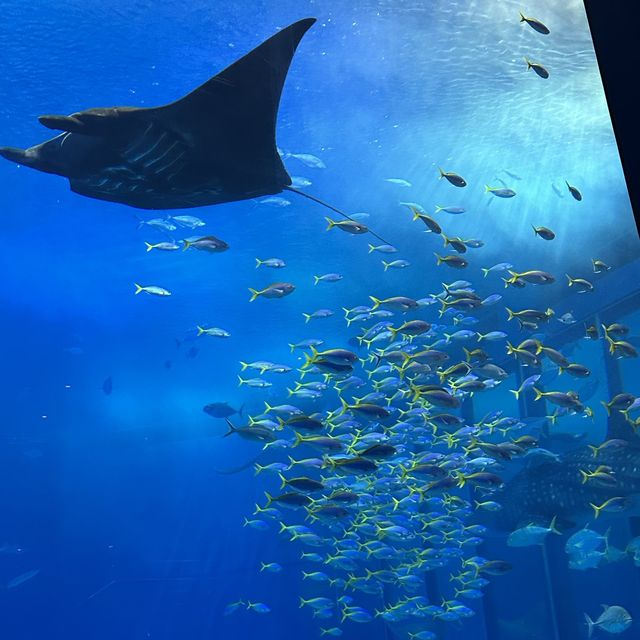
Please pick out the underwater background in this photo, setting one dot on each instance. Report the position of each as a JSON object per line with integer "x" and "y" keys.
{"x": 119, "y": 490}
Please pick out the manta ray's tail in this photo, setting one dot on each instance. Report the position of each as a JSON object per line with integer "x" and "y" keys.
{"x": 329, "y": 206}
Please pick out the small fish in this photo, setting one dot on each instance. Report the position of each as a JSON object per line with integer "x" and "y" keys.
{"x": 497, "y": 268}
{"x": 258, "y": 607}
{"x": 190, "y": 222}
{"x": 152, "y": 290}
{"x": 210, "y": 244}
{"x": 567, "y": 318}
{"x": 455, "y": 179}
{"x": 455, "y": 261}
{"x": 396, "y": 264}
{"x": 382, "y": 248}
{"x": 544, "y": 232}
{"x": 580, "y": 283}
{"x": 275, "y": 290}
{"x": 451, "y": 210}
{"x": 599, "y": 266}
{"x": 271, "y": 567}
{"x": 500, "y": 192}
{"x": 233, "y": 607}
{"x": 22, "y": 578}
{"x": 574, "y": 191}
{"x": 349, "y": 226}
{"x": 613, "y": 619}
{"x": 213, "y": 331}
{"x": 538, "y": 68}
{"x": 535, "y": 24}
{"x": 273, "y": 263}
{"x": 257, "y": 383}
{"x": 320, "y": 313}
{"x": 300, "y": 182}
{"x": 163, "y": 246}
{"x": 162, "y": 224}
{"x": 328, "y": 277}
{"x": 531, "y": 535}
{"x": 399, "y": 181}
{"x": 309, "y": 160}
{"x": 275, "y": 201}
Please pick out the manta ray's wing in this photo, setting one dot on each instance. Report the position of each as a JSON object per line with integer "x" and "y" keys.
{"x": 216, "y": 144}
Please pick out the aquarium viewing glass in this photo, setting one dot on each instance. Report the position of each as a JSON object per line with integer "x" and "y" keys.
{"x": 331, "y": 331}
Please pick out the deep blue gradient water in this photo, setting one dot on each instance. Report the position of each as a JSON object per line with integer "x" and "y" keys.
{"x": 117, "y": 499}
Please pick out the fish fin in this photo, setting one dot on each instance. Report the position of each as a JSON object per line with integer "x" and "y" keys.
{"x": 293, "y": 347}
{"x": 376, "y": 301}
{"x": 138, "y": 288}
{"x": 485, "y": 271}
{"x": 258, "y": 262}
{"x": 187, "y": 244}
{"x": 201, "y": 331}
{"x": 307, "y": 317}
{"x": 331, "y": 223}
{"x": 269, "y": 498}
{"x": 590, "y": 625}
{"x": 386, "y": 265}
{"x": 254, "y": 294}
{"x": 231, "y": 428}
{"x": 538, "y": 393}
{"x": 439, "y": 259}
{"x": 149, "y": 246}
{"x": 522, "y": 18}
{"x": 241, "y": 381}
{"x": 371, "y": 248}
{"x": 516, "y": 393}
{"x": 316, "y": 279}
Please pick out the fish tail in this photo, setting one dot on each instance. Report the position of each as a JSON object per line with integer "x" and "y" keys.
{"x": 528, "y": 62}
{"x": 467, "y": 354}
{"x": 283, "y": 480}
{"x": 290, "y": 392}
{"x": 447, "y": 241}
{"x": 510, "y": 349}
{"x": 138, "y": 288}
{"x": 258, "y": 262}
{"x": 535, "y": 230}
{"x": 307, "y": 317}
{"x": 569, "y": 278}
{"x": 258, "y": 468}
{"x": 438, "y": 208}
{"x": 376, "y": 301}
{"x": 316, "y": 279}
{"x": 241, "y": 381}
{"x": 441, "y": 172}
{"x": 538, "y": 393}
{"x": 386, "y": 265}
{"x": 589, "y": 622}
{"x": 346, "y": 312}
{"x": 149, "y": 246}
{"x": 269, "y": 498}
{"x": 522, "y": 18}
{"x": 595, "y": 450}
{"x": 416, "y": 214}
{"x": 345, "y": 406}
{"x": 254, "y": 294}
{"x": 439, "y": 259}
{"x": 606, "y": 406}
{"x": 485, "y": 272}
{"x": 487, "y": 188}
{"x": 516, "y": 393}
{"x": 263, "y": 566}
{"x": 187, "y": 244}
{"x": 371, "y": 248}
{"x": 292, "y": 347}
{"x": 481, "y": 336}
{"x": 585, "y": 476}
{"x": 553, "y": 527}
{"x": 298, "y": 439}
{"x": 349, "y": 321}
{"x": 330, "y": 223}
{"x": 231, "y": 428}
{"x": 201, "y": 331}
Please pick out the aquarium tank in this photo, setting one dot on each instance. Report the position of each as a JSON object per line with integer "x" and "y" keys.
{"x": 320, "y": 319}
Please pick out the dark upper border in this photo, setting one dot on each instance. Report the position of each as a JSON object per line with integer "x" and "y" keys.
{"x": 614, "y": 28}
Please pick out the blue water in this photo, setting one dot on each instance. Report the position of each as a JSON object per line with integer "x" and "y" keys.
{"x": 116, "y": 499}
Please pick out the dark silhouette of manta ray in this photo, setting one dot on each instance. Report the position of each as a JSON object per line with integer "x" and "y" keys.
{"x": 217, "y": 144}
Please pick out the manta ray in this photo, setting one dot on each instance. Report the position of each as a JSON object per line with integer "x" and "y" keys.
{"x": 217, "y": 144}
